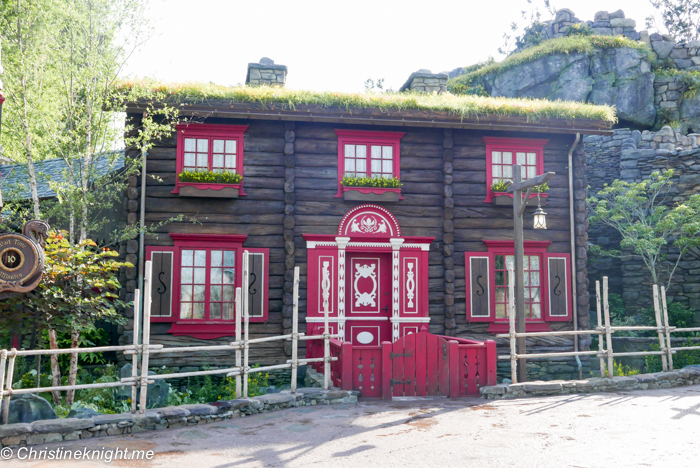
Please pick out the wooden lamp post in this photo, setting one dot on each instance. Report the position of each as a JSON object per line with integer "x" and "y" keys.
{"x": 519, "y": 205}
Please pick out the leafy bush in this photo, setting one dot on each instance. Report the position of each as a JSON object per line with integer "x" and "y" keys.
{"x": 533, "y": 35}
{"x": 204, "y": 390}
{"x": 680, "y": 359}
{"x": 210, "y": 177}
{"x": 501, "y": 186}
{"x": 620, "y": 370}
{"x": 379, "y": 182}
{"x": 578, "y": 29}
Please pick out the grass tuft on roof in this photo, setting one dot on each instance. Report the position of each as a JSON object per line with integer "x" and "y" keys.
{"x": 463, "y": 106}
{"x": 588, "y": 45}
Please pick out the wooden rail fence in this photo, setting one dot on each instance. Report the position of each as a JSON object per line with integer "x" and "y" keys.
{"x": 241, "y": 347}
{"x": 605, "y": 350}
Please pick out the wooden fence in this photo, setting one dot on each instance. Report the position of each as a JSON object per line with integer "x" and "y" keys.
{"x": 241, "y": 347}
{"x": 605, "y": 350}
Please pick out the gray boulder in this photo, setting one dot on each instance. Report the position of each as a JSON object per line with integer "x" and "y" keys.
{"x": 690, "y": 115}
{"x": 28, "y": 407}
{"x": 618, "y": 77}
{"x": 158, "y": 392}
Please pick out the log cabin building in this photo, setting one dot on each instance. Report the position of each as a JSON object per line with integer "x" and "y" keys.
{"x": 426, "y": 255}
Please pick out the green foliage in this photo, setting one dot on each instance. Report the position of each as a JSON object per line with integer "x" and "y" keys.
{"x": 578, "y": 29}
{"x": 533, "y": 35}
{"x": 380, "y": 182}
{"x": 89, "y": 337}
{"x": 80, "y": 286}
{"x": 680, "y": 358}
{"x": 205, "y": 390}
{"x": 470, "y": 88}
{"x": 648, "y": 227}
{"x": 620, "y": 370}
{"x": 286, "y": 98}
{"x": 501, "y": 186}
{"x": 577, "y": 43}
{"x": 210, "y": 177}
{"x": 680, "y": 17}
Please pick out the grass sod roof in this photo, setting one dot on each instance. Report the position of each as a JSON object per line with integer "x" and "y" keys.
{"x": 465, "y": 107}
{"x": 562, "y": 45}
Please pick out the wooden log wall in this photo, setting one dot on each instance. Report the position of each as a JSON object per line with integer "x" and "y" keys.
{"x": 290, "y": 177}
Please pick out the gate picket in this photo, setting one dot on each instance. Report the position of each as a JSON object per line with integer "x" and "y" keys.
{"x": 433, "y": 350}
{"x": 398, "y": 367}
{"x": 444, "y": 364}
{"x": 409, "y": 346}
{"x": 470, "y": 387}
{"x": 422, "y": 364}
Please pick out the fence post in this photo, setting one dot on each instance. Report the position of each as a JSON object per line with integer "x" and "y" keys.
{"x": 511, "y": 319}
{"x": 295, "y": 329}
{"x": 3, "y": 362}
{"x": 600, "y": 324}
{"x": 135, "y": 356}
{"x": 608, "y": 332}
{"x": 669, "y": 346}
{"x": 657, "y": 314}
{"x": 326, "y": 351}
{"x": 453, "y": 360}
{"x": 238, "y": 341}
{"x": 346, "y": 365}
{"x": 246, "y": 279}
{"x": 387, "y": 389}
{"x": 146, "y": 341}
{"x": 491, "y": 362}
{"x": 8, "y": 385}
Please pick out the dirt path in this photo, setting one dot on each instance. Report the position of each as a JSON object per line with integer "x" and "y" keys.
{"x": 644, "y": 428}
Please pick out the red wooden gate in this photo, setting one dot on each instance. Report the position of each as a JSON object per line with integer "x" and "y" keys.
{"x": 420, "y": 364}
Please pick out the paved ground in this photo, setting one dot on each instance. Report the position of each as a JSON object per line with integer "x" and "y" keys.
{"x": 642, "y": 428}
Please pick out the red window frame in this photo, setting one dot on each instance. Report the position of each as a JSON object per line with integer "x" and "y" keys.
{"x": 504, "y": 247}
{"x": 210, "y": 132}
{"x": 512, "y": 145}
{"x": 206, "y": 328}
{"x": 368, "y": 139}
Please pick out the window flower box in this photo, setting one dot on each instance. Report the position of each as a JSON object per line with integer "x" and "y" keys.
{"x": 194, "y": 189}
{"x": 371, "y": 194}
{"x": 506, "y": 199}
{"x": 370, "y": 189}
{"x": 209, "y": 184}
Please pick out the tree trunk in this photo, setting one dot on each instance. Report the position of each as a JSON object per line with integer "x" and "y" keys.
{"x": 55, "y": 369}
{"x": 73, "y": 371}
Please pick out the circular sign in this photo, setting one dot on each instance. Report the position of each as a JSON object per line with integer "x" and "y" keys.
{"x": 20, "y": 259}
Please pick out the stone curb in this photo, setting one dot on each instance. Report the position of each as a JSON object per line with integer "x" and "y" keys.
{"x": 678, "y": 378}
{"x": 105, "y": 425}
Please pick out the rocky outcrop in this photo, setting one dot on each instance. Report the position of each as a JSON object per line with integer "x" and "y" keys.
{"x": 619, "y": 77}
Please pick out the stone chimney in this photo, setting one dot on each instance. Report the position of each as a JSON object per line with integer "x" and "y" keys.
{"x": 266, "y": 73}
{"x": 426, "y": 81}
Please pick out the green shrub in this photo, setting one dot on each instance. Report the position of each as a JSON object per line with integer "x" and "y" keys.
{"x": 379, "y": 182}
{"x": 680, "y": 358}
{"x": 501, "y": 186}
{"x": 578, "y": 29}
{"x": 620, "y": 370}
{"x": 210, "y": 177}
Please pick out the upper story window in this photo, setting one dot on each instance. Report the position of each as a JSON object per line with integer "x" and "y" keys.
{"x": 195, "y": 281}
{"x": 366, "y": 156}
{"x": 547, "y": 283}
{"x": 209, "y": 157}
{"x": 503, "y": 153}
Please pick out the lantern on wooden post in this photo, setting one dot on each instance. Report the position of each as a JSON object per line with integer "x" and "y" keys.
{"x": 540, "y": 219}
{"x": 518, "y": 189}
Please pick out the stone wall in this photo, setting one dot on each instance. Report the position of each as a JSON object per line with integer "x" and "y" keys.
{"x": 171, "y": 417}
{"x": 687, "y": 376}
{"x": 632, "y": 156}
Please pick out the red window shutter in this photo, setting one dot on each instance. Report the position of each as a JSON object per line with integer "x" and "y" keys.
{"x": 259, "y": 273}
{"x": 559, "y": 286}
{"x": 163, "y": 282}
{"x": 478, "y": 279}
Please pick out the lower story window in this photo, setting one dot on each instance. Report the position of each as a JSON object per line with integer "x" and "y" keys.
{"x": 533, "y": 298}
{"x": 546, "y": 281}
{"x": 207, "y": 284}
{"x": 195, "y": 281}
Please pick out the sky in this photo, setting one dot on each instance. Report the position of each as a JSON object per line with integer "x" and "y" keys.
{"x": 336, "y": 45}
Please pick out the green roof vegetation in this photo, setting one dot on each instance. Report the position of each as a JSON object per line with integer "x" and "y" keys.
{"x": 563, "y": 45}
{"x": 463, "y": 106}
